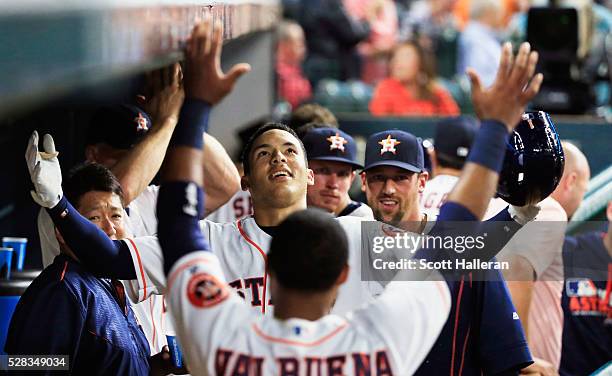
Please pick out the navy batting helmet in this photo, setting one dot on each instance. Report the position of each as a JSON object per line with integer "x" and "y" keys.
{"x": 534, "y": 161}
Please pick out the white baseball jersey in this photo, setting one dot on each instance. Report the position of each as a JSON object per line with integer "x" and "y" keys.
{"x": 242, "y": 248}
{"x": 140, "y": 221}
{"x": 238, "y": 207}
{"x": 220, "y": 334}
{"x": 435, "y": 193}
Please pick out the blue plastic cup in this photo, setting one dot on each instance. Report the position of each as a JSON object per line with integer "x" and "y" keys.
{"x": 6, "y": 258}
{"x": 19, "y": 247}
{"x": 176, "y": 355}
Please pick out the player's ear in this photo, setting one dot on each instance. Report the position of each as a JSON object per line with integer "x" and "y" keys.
{"x": 343, "y": 275}
{"x": 309, "y": 176}
{"x": 353, "y": 176}
{"x": 363, "y": 181}
{"x": 423, "y": 177}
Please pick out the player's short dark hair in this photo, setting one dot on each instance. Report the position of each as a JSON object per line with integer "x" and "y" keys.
{"x": 311, "y": 113}
{"x": 309, "y": 251}
{"x": 89, "y": 177}
{"x": 246, "y": 163}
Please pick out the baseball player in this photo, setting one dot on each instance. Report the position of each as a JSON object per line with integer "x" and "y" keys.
{"x": 124, "y": 139}
{"x": 276, "y": 175}
{"x": 300, "y": 337}
{"x": 332, "y": 157}
{"x": 535, "y": 277}
{"x": 453, "y": 138}
{"x": 587, "y": 302}
{"x": 483, "y": 333}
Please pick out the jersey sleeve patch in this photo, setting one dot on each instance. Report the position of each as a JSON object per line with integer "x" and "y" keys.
{"x": 205, "y": 291}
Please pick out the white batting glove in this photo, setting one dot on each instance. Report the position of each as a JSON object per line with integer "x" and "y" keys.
{"x": 45, "y": 171}
{"x": 524, "y": 214}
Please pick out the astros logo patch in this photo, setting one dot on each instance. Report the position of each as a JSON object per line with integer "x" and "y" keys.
{"x": 337, "y": 142}
{"x": 141, "y": 121}
{"x": 204, "y": 290}
{"x": 388, "y": 145}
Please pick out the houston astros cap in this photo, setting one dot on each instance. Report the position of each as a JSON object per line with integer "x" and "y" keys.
{"x": 330, "y": 144}
{"x": 394, "y": 148}
{"x": 120, "y": 126}
{"x": 454, "y": 136}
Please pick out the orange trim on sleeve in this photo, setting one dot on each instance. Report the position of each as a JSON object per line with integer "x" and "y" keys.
{"x": 186, "y": 265}
{"x": 142, "y": 274}
{"x": 298, "y": 343}
{"x": 64, "y": 271}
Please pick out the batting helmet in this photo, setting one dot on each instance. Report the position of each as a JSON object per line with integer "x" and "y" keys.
{"x": 534, "y": 161}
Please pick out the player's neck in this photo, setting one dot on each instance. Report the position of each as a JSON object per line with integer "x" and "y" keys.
{"x": 306, "y": 306}
{"x": 345, "y": 201}
{"x": 268, "y": 217}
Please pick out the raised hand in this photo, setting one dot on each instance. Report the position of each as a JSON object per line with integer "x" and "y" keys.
{"x": 45, "y": 171}
{"x": 204, "y": 78}
{"x": 164, "y": 94}
{"x": 515, "y": 85}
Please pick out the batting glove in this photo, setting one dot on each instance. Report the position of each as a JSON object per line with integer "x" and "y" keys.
{"x": 523, "y": 214}
{"x": 45, "y": 171}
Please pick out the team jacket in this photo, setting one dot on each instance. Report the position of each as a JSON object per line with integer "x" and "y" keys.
{"x": 67, "y": 311}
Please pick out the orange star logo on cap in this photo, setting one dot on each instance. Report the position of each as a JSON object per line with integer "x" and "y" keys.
{"x": 388, "y": 145}
{"x": 141, "y": 121}
{"x": 337, "y": 142}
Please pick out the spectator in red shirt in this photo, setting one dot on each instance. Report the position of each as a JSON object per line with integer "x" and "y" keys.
{"x": 412, "y": 88}
{"x": 293, "y": 87}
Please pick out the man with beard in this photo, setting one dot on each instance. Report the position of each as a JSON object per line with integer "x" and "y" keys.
{"x": 483, "y": 333}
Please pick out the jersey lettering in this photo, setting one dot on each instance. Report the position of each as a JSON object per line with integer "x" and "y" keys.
{"x": 242, "y": 208}
{"x": 253, "y": 287}
{"x": 383, "y": 368}
{"x": 335, "y": 365}
{"x": 238, "y": 286}
{"x": 313, "y": 364}
{"x": 245, "y": 365}
{"x": 362, "y": 364}
{"x": 254, "y": 284}
{"x": 221, "y": 361}
{"x": 288, "y": 366}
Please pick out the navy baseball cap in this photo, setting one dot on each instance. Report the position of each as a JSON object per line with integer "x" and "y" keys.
{"x": 395, "y": 148}
{"x": 330, "y": 144}
{"x": 454, "y": 137}
{"x": 121, "y": 126}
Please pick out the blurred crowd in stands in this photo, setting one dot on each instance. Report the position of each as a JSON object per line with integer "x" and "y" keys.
{"x": 409, "y": 57}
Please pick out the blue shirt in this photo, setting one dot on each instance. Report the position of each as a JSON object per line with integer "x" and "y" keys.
{"x": 483, "y": 334}
{"x": 68, "y": 311}
{"x": 586, "y": 303}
